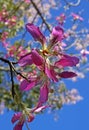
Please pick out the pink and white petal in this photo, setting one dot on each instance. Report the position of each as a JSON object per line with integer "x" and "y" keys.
{"x": 39, "y": 109}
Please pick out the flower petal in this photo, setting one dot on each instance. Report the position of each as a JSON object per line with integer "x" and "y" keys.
{"x": 67, "y": 74}
{"x": 16, "y": 117}
{"x": 25, "y": 85}
{"x": 35, "y": 32}
{"x": 30, "y": 118}
{"x": 25, "y": 60}
{"x": 18, "y": 126}
{"x": 49, "y": 70}
{"x": 37, "y": 58}
{"x": 44, "y": 93}
{"x": 67, "y": 61}
{"x": 39, "y": 109}
{"x": 57, "y": 34}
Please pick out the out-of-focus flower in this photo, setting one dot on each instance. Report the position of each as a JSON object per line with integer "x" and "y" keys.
{"x": 4, "y": 36}
{"x": 27, "y": 1}
{"x": 71, "y": 97}
{"x": 77, "y": 17}
{"x": 84, "y": 52}
{"x": 57, "y": 35}
{"x": 61, "y": 18}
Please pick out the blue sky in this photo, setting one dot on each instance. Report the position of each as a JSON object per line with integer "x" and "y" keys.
{"x": 72, "y": 117}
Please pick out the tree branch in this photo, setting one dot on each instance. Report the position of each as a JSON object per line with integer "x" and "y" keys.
{"x": 73, "y": 4}
{"x": 40, "y": 14}
{"x": 11, "y": 73}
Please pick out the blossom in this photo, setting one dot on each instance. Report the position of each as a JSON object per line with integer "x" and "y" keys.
{"x": 36, "y": 33}
{"x": 76, "y": 17}
{"x": 30, "y": 117}
{"x": 84, "y": 52}
{"x": 61, "y": 18}
{"x": 21, "y": 119}
{"x": 4, "y": 36}
{"x": 18, "y": 117}
{"x": 70, "y": 97}
{"x": 57, "y": 35}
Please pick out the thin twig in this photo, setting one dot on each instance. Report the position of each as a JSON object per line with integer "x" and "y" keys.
{"x": 40, "y": 14}
{"x": 73, "y": 4}
{"x": 11, "y": 73}
{"x": 18, "y": 73}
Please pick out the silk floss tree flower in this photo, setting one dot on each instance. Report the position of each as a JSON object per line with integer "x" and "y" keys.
{"x": 49, "y": 66}
{"x": 28, "y": 114}
{"x": 41, "y": 59}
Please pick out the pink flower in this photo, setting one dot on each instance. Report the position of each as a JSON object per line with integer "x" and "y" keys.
{"x": 77, "y": 17}
{"x": 67, "y": 60}
{"x": 36, "y": 33}
{"x": 21, "y": 119}
{"x": 4, "y": 36}
{"x": 61, "y": 18}
{"x": 67, "y": 74}
{"x": 18, "y": 117}
{"x": 84, "y": 52}
{"x": 57, "y": 34}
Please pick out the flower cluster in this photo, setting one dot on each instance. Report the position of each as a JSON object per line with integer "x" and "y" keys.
{"x": 6, "y": 19}
{"x": 48, "y": 62}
